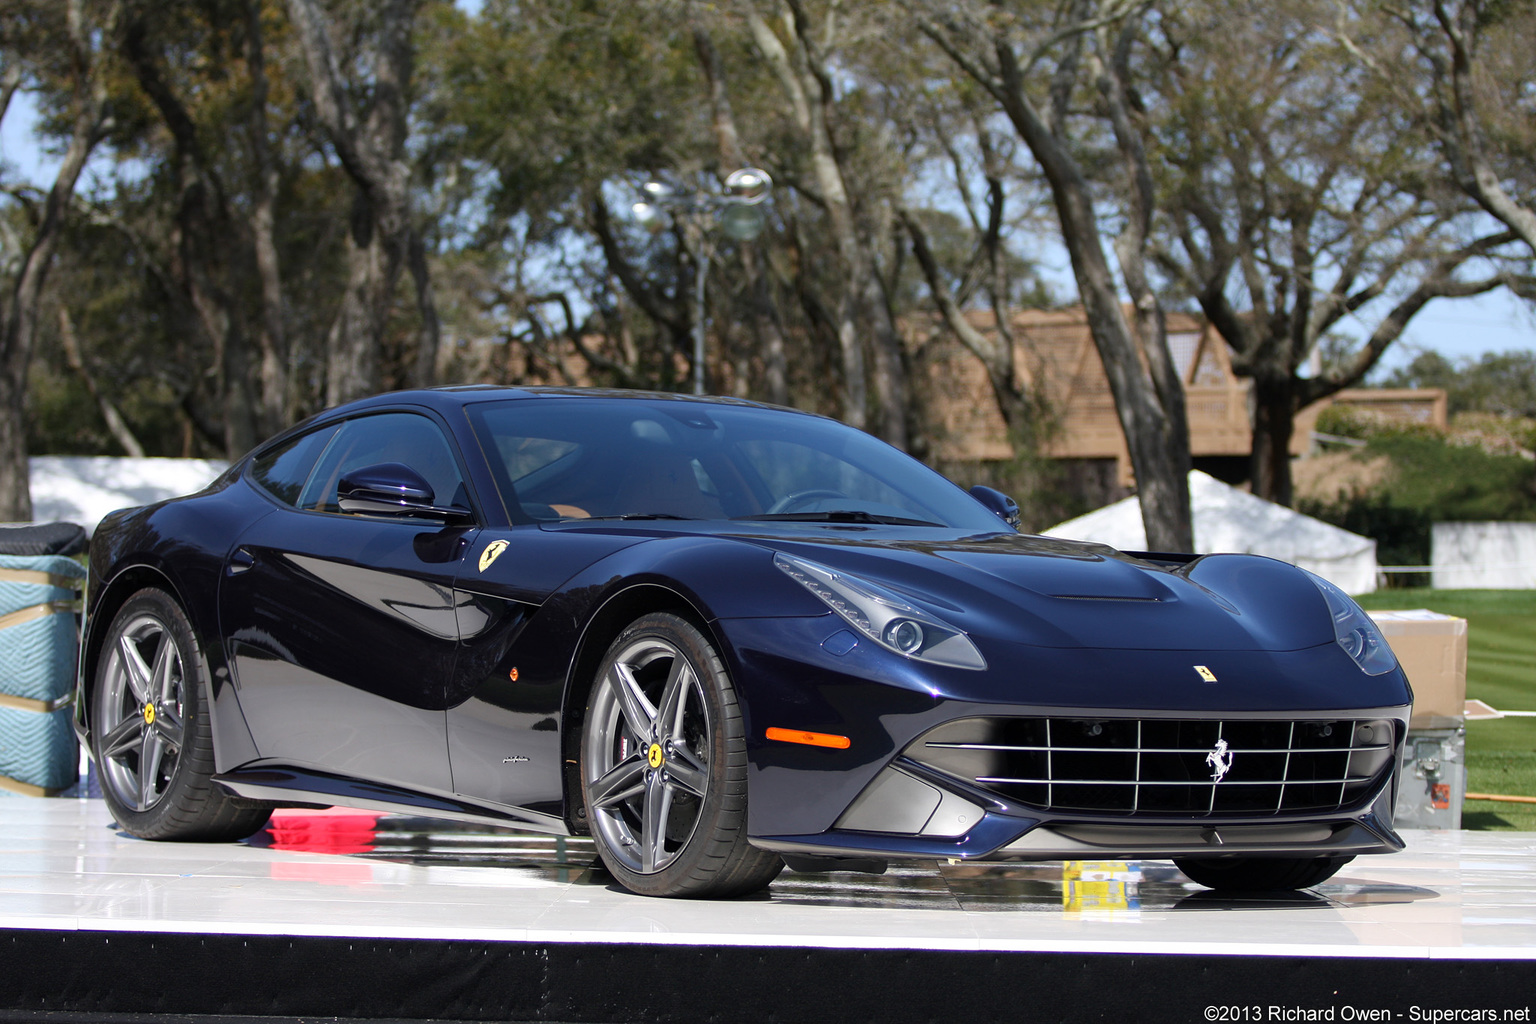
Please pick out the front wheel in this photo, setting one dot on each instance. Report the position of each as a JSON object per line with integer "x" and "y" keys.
{"x": 1259, "y": 874}
{"x": 150, "y": 731}
{"x": 664, "y": 767}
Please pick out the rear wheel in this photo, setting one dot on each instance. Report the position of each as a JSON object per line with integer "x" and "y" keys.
{"x": 664, "y": 767}
{"x": 1258, "y": 874}
{"x": 150, "y": 730}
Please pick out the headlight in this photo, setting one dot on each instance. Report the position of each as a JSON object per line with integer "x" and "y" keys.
{"x": 1355, "y": 631}
{"x": 889, "y": 620}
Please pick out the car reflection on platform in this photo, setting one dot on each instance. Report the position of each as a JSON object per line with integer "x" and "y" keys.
{"x": 1099, "y": 891}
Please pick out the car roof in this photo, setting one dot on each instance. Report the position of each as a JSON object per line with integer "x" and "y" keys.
{"x": 453, "y": 397}
{"x": 456, "y": 396}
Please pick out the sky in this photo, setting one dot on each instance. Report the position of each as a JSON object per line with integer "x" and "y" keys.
{"x": 1459, "y": 329}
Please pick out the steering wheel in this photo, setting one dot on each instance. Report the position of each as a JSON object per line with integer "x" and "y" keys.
{"x": 789, "y": 502}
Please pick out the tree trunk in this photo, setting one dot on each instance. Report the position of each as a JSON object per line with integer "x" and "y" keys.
{"x": 371, "y": 146}
{"x": 1159, "y": 452}
{"x": 356, "y": 333}
{"x": 205, "y": 247}
{"x": 1151, "y": 416}
{"x": 861, "y": 308}
{"x": 995, "y": 354}
{"x": 890, "y": 362}
{"x": 116, "y": 425}
{"x": 1273, "y": 424}
{"x": 276, "y": 403}
{"x": 18, "y": 333}
{"x": 1135, "y": 358}
{"x": 1463, "y": 136}
{"x": 429, "y": 331}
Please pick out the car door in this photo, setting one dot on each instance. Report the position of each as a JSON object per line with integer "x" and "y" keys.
{"x": 341, "y": 628}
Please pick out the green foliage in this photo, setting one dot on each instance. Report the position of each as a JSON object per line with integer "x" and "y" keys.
{"x": 1502, "y": 773}
{"x": 1501, "y": 657}
{"x": 1038, "y": 484}
{"x": 1501, "y": 383}
{"x": 1402, "y": 533}
{"x": 1456, "y": 482}
{"x": 1475, "y": 472}
{"x": 527, "y": 117}
{"x": 63, "y": 419}
{"x": 1343, "y": 421}
{"x": 1472, "y": 474}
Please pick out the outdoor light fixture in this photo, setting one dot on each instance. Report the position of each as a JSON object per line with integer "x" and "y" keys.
{"x": 736, "y": 210}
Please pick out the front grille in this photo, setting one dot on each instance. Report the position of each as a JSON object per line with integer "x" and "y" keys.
{"x": 1158, "y": 767}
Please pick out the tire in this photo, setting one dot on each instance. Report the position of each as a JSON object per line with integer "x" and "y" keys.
{"x": 150, "y": 732}
{"x": 1259, "y": 874}
{"x": 664, "y": 767}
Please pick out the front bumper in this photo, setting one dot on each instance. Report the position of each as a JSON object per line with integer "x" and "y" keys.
{"x": 999, "y": 837}
{"x": 880, "y": 798}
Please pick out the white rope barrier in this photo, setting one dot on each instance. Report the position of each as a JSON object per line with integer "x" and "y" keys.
{"x": 1470, "y": 567}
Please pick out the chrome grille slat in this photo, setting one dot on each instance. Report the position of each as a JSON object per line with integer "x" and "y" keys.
{"x": 1128, "y": 782}
{"x": 1202, "y": 751}
{"x": 1140, "y": 750}
{"x": 1049, "y": 774}
{"x": 1290, "y": 748}
{"x": 1220, "y": 741}
{"x": 1162, "y": 767}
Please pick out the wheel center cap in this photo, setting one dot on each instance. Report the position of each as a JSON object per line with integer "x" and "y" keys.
{"x": 149, "y": 714}
{"x": 654, "y": 756}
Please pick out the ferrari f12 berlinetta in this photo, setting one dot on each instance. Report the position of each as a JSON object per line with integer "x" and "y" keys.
{"x": 718, "y": 637}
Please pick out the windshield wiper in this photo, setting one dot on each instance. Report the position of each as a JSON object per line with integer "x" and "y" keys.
{"x": 844, "y": 515}
{"x": 640, "y": 515}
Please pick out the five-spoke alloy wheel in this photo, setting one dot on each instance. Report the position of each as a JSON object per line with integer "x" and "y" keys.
{"x": 149, "y": 727}
{"x": 664, "y": 767}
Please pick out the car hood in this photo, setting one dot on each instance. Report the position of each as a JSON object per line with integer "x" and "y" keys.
{"x": 1054, "y": 593}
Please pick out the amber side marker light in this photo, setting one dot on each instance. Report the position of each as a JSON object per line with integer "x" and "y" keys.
{"x": 809, "y": 739}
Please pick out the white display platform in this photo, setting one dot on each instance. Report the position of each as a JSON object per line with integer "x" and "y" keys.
{"x": 65, "y": 866}
{"x": 350, "y": 916}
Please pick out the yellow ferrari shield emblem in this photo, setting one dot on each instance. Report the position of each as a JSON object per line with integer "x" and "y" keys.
{"x": 1206, "y": 673}
{"x": 653, "y": 757}
{"x": 492, "y": 552}
{"x": 149, "y": 714}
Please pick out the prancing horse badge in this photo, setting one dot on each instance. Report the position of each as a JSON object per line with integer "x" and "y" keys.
{"x": 492, "y": 552}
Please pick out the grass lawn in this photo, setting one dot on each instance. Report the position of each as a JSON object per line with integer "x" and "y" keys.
{"x": 1501, "y": 670}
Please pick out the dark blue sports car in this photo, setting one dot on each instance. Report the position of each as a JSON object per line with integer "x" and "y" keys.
{"x": 718, "y": 637}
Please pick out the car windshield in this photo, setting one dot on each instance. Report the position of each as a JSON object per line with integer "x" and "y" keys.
{"x": 607, "y": 458}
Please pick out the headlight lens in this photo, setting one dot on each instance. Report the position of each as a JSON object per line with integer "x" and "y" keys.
{"x": 889, "y": 620}
{"x": 1355, "y": 631}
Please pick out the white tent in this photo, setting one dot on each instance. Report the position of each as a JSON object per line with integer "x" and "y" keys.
{"x": 1227, "y": 519}
{"x": 84, "y": 489}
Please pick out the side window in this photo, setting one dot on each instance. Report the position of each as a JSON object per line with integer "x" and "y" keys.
{"x": 402, "y": 437}
{"x": 282, "y": 471}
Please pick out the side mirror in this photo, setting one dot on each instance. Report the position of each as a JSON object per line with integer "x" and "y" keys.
{"x": 391, "y": 489}
{"x": 998, "y": 503}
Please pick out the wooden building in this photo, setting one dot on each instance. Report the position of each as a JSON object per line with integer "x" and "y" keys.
{"x": 1055, "y": 358}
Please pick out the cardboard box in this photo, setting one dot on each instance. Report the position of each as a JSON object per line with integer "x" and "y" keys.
{"x": 1433, "y": 651}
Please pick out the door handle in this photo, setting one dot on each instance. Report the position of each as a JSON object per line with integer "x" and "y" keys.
{"x": 240, "y": 561}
